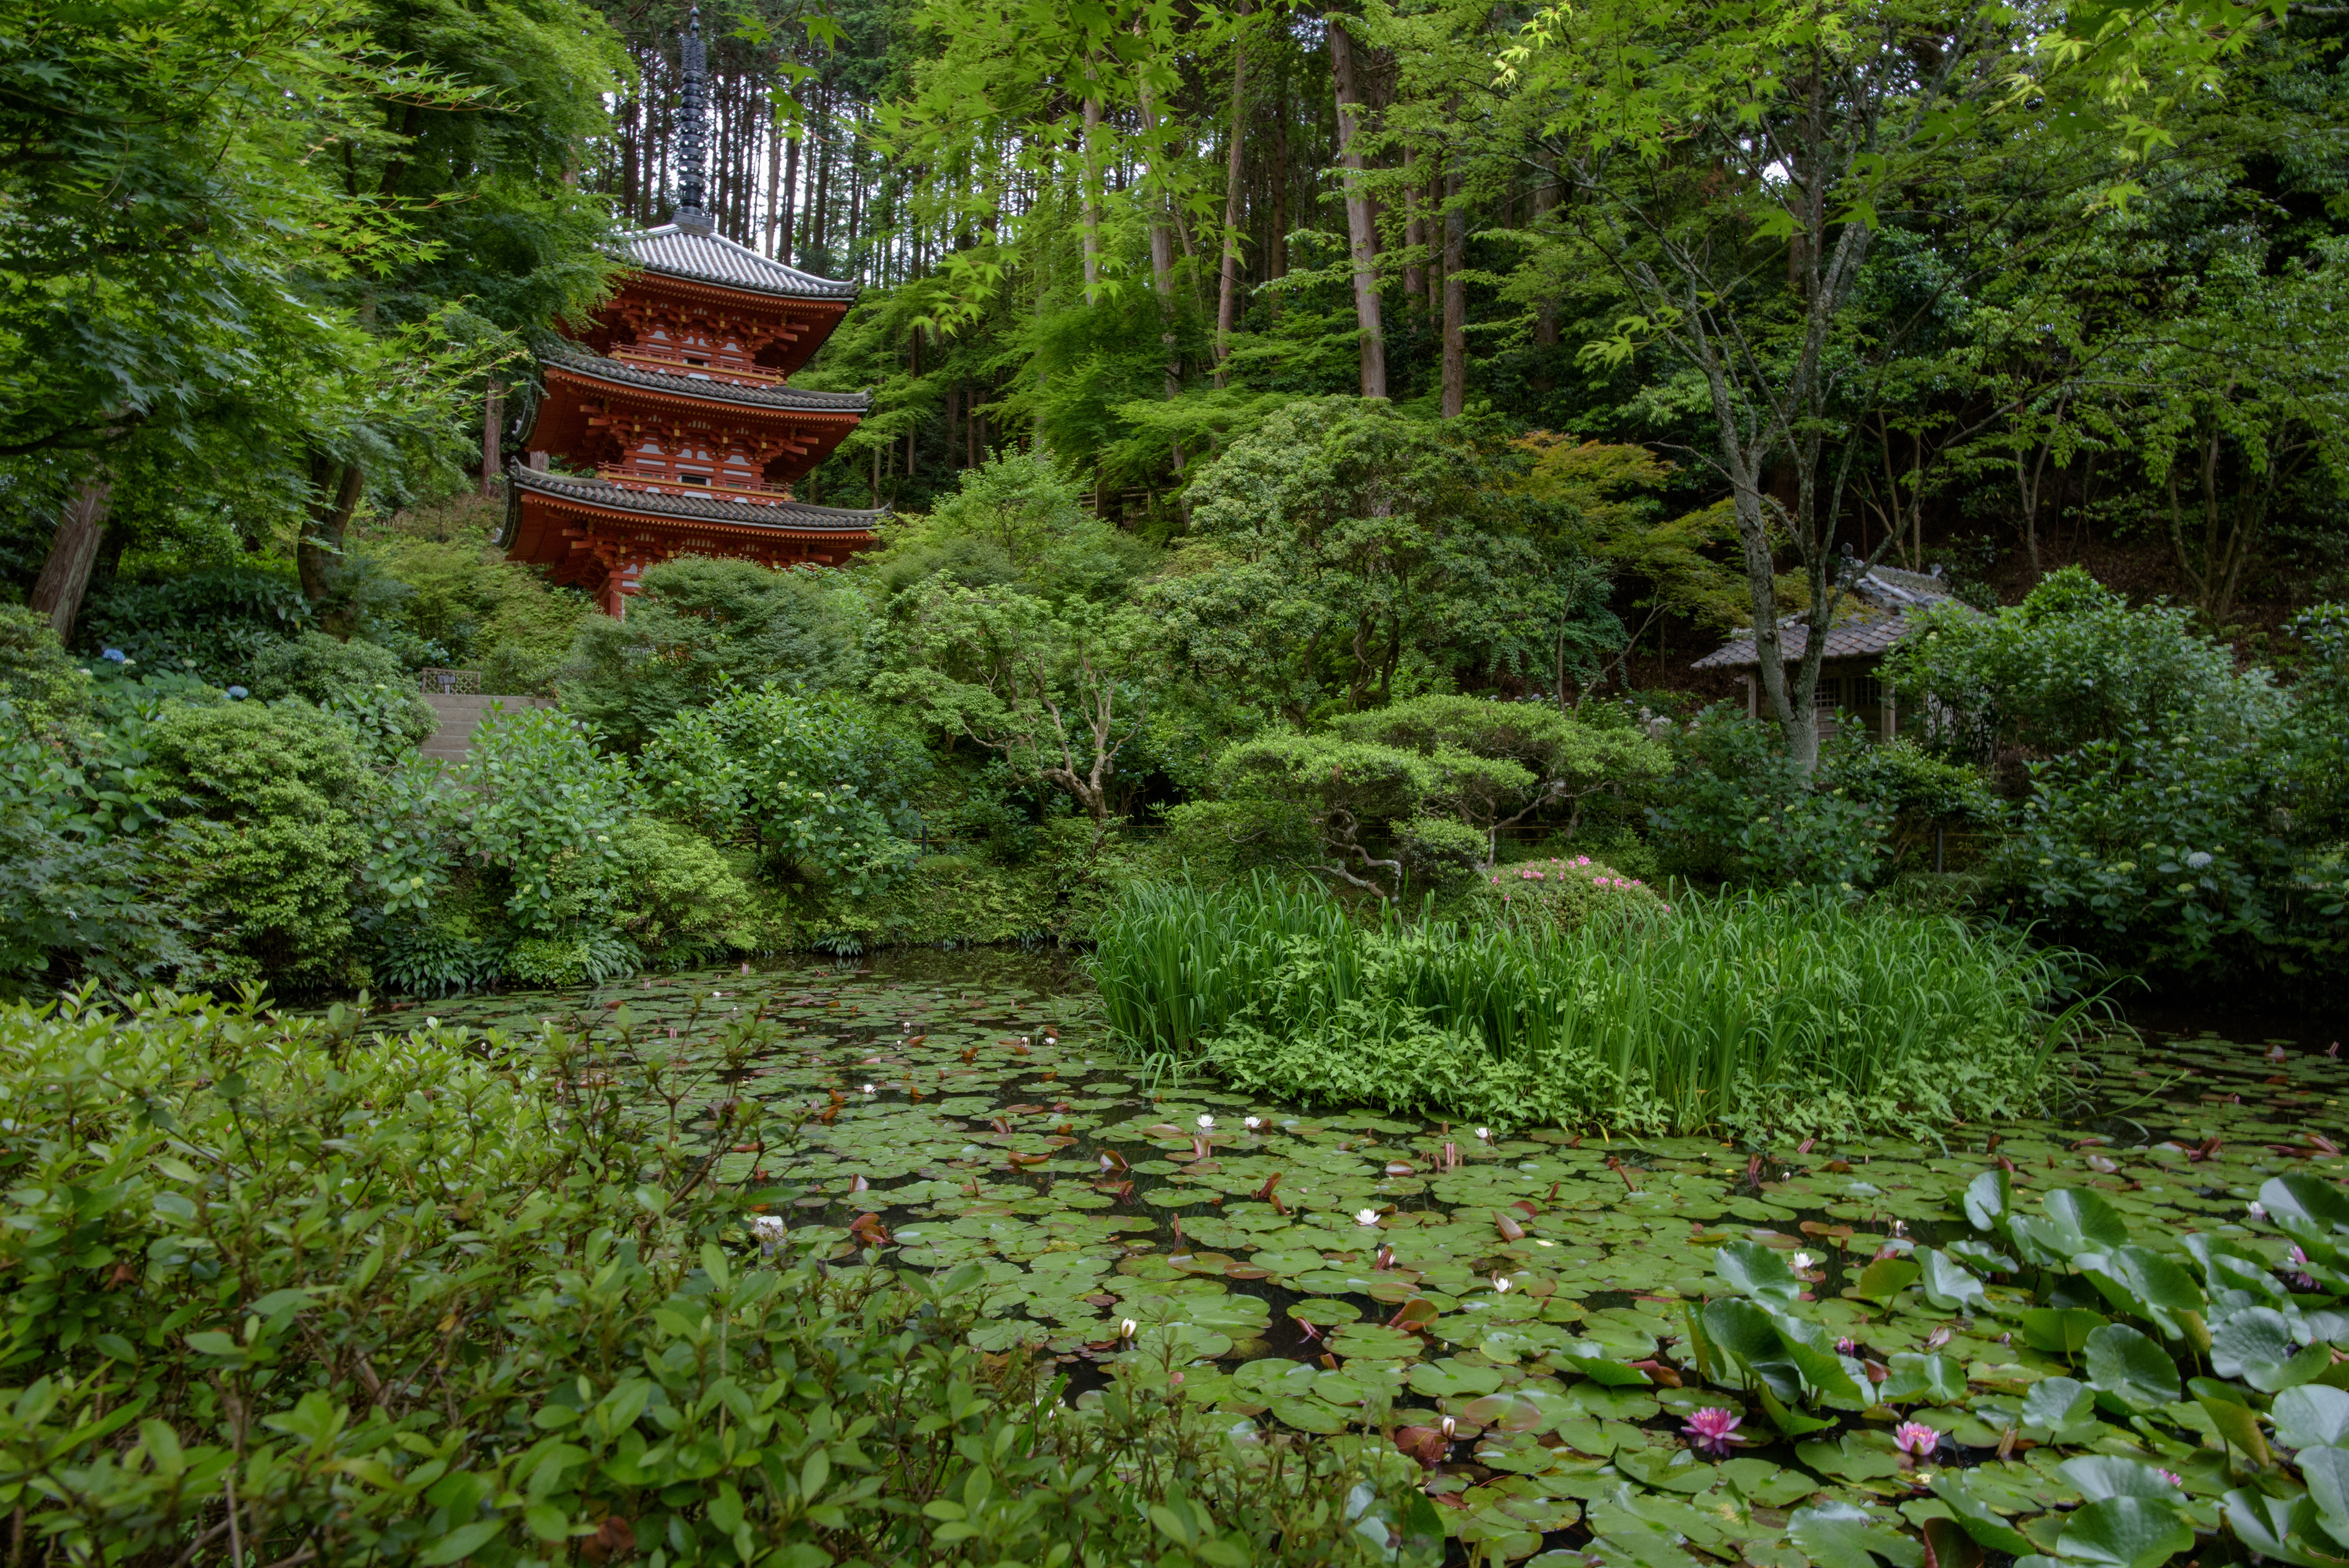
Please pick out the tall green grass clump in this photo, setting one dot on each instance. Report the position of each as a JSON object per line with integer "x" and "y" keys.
{"x": 1741, "y": 1013}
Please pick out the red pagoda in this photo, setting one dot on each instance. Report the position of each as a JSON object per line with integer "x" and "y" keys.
{"x": 669, "y": 425}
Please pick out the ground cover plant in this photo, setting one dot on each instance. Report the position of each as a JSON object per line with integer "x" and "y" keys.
{"x": 1742, "y": 1013}
{"x": 281, "y": 1292}
{"x": 1602, "y": 1351}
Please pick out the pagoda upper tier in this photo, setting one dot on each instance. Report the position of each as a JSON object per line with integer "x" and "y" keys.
{"x": 667, "y": 424}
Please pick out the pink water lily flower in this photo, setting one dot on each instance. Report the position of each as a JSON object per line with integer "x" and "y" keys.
{"x": 1711, "y": 1430}
{"x": 1916, "y": 1437}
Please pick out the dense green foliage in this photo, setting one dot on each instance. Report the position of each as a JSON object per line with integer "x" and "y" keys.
{"x": 426, "y": 1297}
{"x": 1746, "y": 1015}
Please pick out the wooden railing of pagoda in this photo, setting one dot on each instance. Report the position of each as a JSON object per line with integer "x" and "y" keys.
{"x": 744, "y": 375}
{"x": 756, "y": 495}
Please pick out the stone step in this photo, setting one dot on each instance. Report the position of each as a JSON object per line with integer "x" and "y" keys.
{"x": 459, "y": 716}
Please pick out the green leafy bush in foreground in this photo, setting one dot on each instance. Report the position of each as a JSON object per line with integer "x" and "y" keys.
{"x": 1744, "y": 1014}
{"x": 278, "y": 1294}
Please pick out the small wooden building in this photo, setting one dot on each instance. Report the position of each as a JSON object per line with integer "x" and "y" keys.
{"x": 1873, "y": 614}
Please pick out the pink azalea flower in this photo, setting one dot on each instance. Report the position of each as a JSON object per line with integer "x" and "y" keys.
{"x": 1709, "y": 1428}
{"x": 1916, "y": 1437}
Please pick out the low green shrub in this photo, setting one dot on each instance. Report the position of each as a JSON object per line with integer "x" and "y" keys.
{"x": 42, "y": 688}
{"x": 680, "y": 899}
{"x": 287, "y": 1294}
{"x": 268, "y": 805}
{"x": 1737, "y": 810}
{"x": 1748, "y": 1015}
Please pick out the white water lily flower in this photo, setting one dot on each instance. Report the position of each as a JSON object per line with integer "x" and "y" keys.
{"x": 2256, "y": 1210}
{"x": 1127, "y": 1328}
{"x": 1205, "y": 1122}
{"x": 1486, "y": 1134}
{"x": 1501, "y": 1284}
{"x": 1251, "y": 1122}
{"x": 1449, "y": 1426}
{"x": 1366, "y": 1216}
{"x": 1803, "y": 1261}
{"x": 1540, "y": 1242}
{"x": 870, "y": 1090}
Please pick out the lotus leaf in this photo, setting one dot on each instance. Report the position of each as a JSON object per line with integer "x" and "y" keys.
{"x": 1935, "y": 1378}
{"x": 1947, "y": 1284}
{"x": 2063, "y": 1329}
{"x": 2125, "y": 1531}
{"x": 1753, "y": 1270}
{"x": 1855, "y": 1456}
{"x": 1838, "y": 1535}
{"x": 2311, "y": 1416}
{"x": 2287, "y": 1529}
{"x": 2058, "y": 1404}
{"x": 2326, "y": 1472}
{"x": 1374, "y": 1342}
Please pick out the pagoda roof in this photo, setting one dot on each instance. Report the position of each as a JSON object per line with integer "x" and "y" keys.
{"x": 693, "y": 252}
{"x": 572, "y": 358}
{"x": 779, "y": 517}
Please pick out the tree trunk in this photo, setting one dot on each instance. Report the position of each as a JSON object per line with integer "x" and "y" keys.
{"x": 1546, "y": 313}
{"x": 817, "y": 230}
{"x": 1088, "y": 171}
{"x": 790, "y": 201}
{"x": 1275, "y": 253}
{"x": 774, "y": 187}
{"x": 1360, "y": 230}
{"x": 330, "y": 514}
{"x": 1162, "y": 250}
{"x": 1414, "y": 237}
{"x": 1456, "y": 293}
{"x": 73, "y": 549}
{"x": 1227, "y": 284}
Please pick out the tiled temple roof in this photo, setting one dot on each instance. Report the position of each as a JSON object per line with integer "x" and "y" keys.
{"x": 709, "y": 258}
{"x": 791, "y": 516}
{"x": 571, "y": 357}
{"x": 1870, "y": 620}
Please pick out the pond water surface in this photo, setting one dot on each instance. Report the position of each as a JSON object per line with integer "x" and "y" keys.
{"x": 1318, "y": 1268}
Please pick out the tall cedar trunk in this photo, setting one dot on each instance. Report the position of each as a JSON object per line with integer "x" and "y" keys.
{"x": 1088, "y": 171}
{"x": 817, "y": 232}
{"x": 1414, "y": 237}
{"x": 1544, "y": 203}
{"x": 1161, "y": 253}
{"x": 1276, "y": 251}
{"x": 73, "y": 549}
{"x": 1362, "y": 230}
{"x": 1433, "y": 195}
{"x": 336, "y": 489}
{"x": 774, "y": 187}
{"x": 493, "y": 414}
{"x": 784, "y": 243}
{"x": 1227, "y": 283}
{"x": 1456, "y": 293}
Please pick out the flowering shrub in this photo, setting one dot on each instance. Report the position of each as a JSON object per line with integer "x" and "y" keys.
{"x": 1561, "y": 893}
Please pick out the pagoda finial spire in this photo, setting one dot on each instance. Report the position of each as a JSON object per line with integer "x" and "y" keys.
{"x": 693, "y": 133}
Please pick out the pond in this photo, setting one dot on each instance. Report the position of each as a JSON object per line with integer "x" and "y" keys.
{"x": 1314, "y": 1266}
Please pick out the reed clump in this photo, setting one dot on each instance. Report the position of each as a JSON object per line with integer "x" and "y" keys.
{"x": 1743, "y": 1013}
